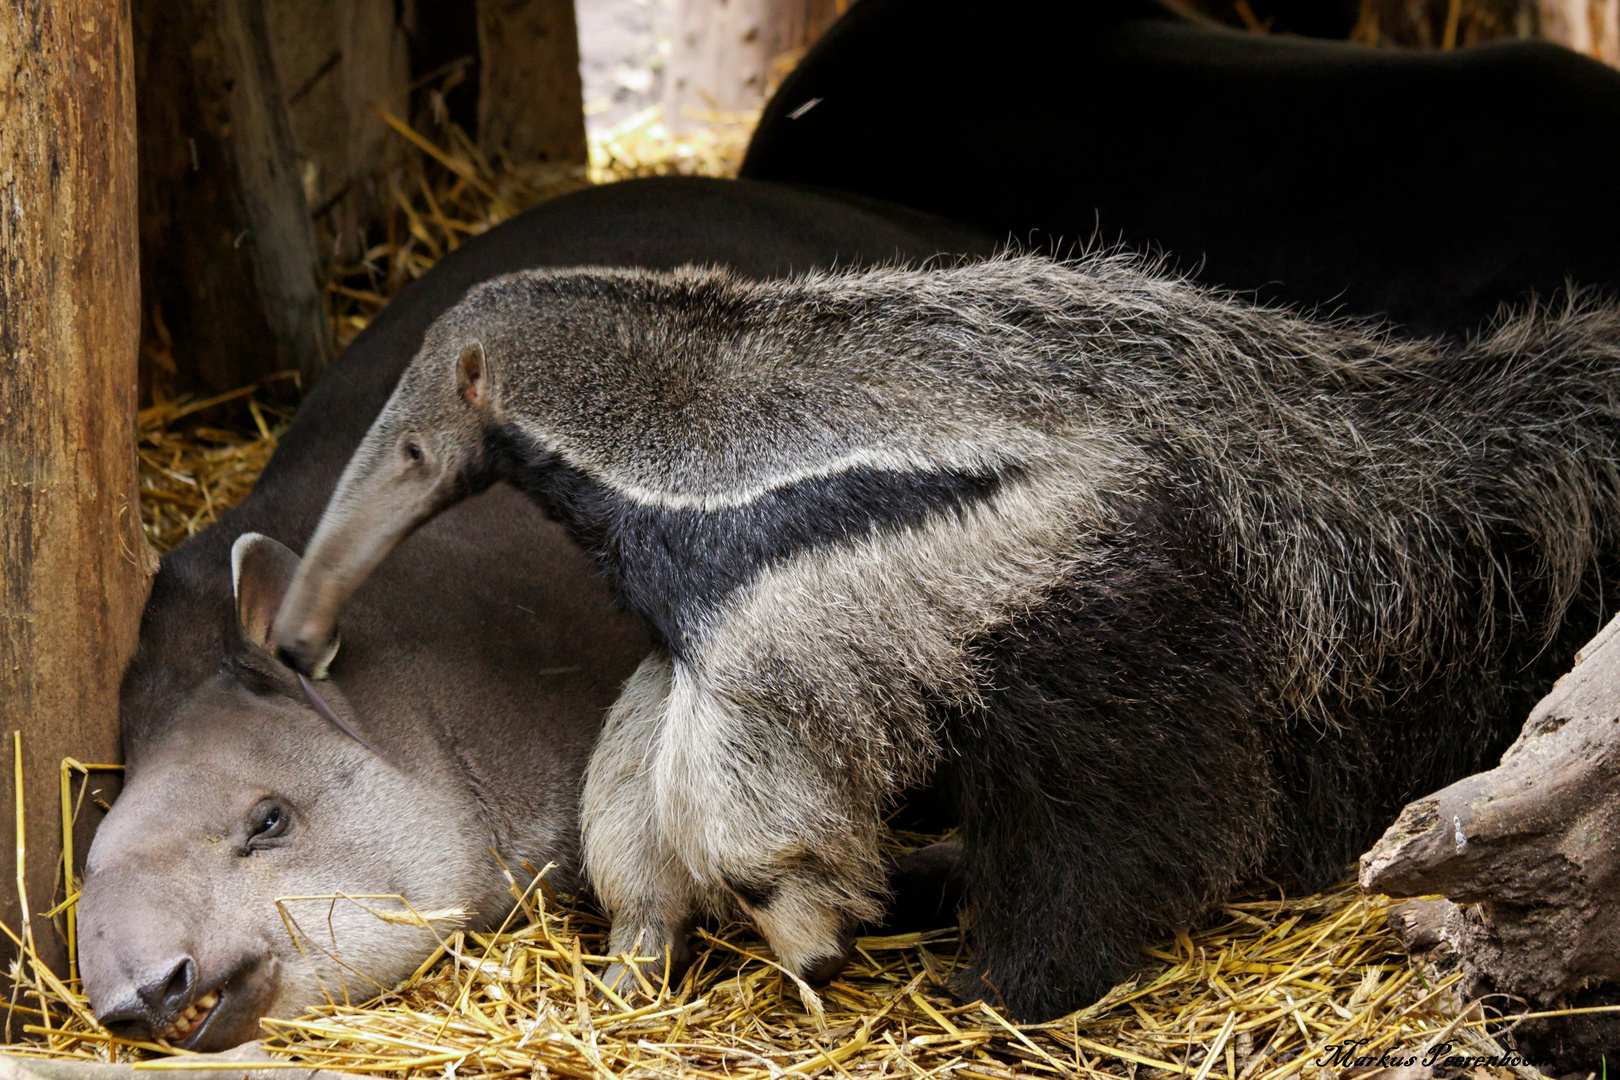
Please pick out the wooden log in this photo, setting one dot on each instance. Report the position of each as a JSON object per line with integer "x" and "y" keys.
{"x": 246, "y": 1062}
{"x": 530, "y": 104}
{"x": 73, "y": 563}
{"x": 227, "y": 253}
{"x": 724, "y": 51}
{"x": 1530, "y": 849}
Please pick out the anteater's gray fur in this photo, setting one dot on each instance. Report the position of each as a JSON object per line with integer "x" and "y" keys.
{"x": 1162, "y": 586}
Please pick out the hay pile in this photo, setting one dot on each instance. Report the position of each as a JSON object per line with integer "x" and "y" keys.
{"x": 1256, "y": 993}
{"x": 1260, "y": 993}
{"x": 191, "y": 472}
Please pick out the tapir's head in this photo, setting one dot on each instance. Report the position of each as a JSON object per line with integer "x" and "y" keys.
{"x": 246, "y": 797}
{"x": 423, "y": 453}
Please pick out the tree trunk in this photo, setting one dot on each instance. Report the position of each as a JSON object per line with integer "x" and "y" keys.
{"x": 227, "y": 253}
{"x": 73, "y": 562}
{"x": 729, "y": 53}
{"x": 530, "y": 106}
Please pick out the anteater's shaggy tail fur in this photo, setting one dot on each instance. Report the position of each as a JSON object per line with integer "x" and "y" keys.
{"x": 1355, "y": 566}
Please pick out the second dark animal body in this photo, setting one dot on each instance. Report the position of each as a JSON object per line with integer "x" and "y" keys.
{"x": 1428, "y": 187}
{"x": 1159, "y": 585}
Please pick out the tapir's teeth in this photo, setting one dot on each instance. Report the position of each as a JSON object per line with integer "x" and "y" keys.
{"x": 188, "y": 1021}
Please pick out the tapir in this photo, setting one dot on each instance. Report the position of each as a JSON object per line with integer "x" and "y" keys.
{"x": 1425, "y": 187}
{"x": 477, "y": 667}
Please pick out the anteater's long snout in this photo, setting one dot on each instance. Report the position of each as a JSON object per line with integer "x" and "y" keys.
{"x": 354, "y": 537}
{"x": 376, "y": 505}
{"x": 306, "y": 625}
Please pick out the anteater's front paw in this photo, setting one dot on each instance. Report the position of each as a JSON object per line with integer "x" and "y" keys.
{"x": 652, "y": 972}
{"x": 828, "y": 968}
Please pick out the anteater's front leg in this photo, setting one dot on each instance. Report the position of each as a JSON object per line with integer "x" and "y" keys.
{"x": 637, "y": 875}
{"x": 766, "y": 825}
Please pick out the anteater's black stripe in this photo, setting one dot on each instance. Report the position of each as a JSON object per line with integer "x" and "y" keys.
{"x": 672, "y": 566}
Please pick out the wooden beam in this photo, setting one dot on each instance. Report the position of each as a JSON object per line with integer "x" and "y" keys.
{"x": 338, "y": 60}
{"x": 73, "y": 562}
{"x": 531, "y": 108}
{"x": 228, "y": 254}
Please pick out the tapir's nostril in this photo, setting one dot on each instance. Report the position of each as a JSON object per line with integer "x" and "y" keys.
{"x": 167, "y": 995}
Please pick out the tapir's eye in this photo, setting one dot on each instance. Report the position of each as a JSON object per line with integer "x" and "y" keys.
{"x": 268, "y": 820}
{"x": 413, "y": 450}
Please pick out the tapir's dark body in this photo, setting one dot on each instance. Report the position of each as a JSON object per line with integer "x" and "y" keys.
{"x": 1429, "y": 187}
{"x": 480, "y": 660}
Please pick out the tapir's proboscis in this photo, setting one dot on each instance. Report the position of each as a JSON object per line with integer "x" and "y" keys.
{"x": 478, "y": 661}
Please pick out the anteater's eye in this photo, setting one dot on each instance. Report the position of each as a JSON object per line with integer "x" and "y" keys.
{"x": 413, "y": 450}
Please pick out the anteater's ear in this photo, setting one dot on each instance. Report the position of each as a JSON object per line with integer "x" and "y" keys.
{"x": 472, "y": 376}
{"x": 261, "y": 572}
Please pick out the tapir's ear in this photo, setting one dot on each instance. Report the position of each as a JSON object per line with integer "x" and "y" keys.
{"x": 472, "y": 376}
{"x": 262, "y": 570}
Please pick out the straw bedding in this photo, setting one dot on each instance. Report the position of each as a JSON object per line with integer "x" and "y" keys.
{"x": 1256, "y": 993}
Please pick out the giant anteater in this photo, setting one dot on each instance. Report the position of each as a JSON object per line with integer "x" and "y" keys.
{"x": 1161, "y": 585}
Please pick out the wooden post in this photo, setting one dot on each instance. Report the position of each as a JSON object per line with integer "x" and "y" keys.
{"x": 228, "y": 254}
{"x": 73, "y": 562}
{"x": 724, "y": 51}
{"x": 530, "y": 105}
{"x": 336, "y": 60}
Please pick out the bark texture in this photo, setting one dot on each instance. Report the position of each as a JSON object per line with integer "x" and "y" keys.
{"x": 73, "y": 562}
{"x": 530, "y": 105}
{"x": 1529, "y": 852}
{"x": 338, "y": 61}
{"x": 228, "y": 260}
{"x": 729, "y": 54}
